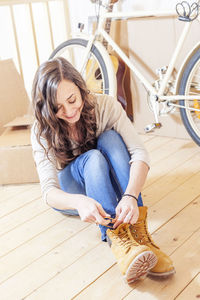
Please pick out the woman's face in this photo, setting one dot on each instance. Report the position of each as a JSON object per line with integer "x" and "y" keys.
{"x": 69, "y": 102}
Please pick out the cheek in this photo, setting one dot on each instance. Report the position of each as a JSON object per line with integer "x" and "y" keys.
{"x": 81, "y": 105}
{"x": 59, "y": 115}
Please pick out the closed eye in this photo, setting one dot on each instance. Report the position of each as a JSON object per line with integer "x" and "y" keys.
{"x": 72, "y": 100}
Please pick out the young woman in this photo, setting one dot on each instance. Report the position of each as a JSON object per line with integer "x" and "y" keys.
{"x": 90, "y": 161}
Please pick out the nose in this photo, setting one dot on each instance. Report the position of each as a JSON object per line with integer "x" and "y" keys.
{"x": 65, "y": 109}
{"x": 68, "y": 110}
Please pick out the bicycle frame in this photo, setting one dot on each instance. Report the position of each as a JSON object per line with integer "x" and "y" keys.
{"x": 158, "y": 95}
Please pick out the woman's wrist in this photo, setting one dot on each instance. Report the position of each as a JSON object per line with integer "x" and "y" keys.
{"x": 130, "y": 195}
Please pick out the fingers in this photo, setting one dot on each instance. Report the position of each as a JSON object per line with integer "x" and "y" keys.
{"x": 119, "y": 218}
{"x": 117, "y": 223}
{"x": 118, "y": 211}
{"x": 102, "y": 211}
{"x": 100, "y": 215}
{"x": 121, "y": 214}
{"x": 126, "y": 215}
{"x": 134, "y": 219}
{"x": 95, "y": 217}
{"x": 101, "y": 220}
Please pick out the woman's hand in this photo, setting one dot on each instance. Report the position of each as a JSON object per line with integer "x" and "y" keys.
{"x": 126, "y": 211}
{"x": 91, "y": 211}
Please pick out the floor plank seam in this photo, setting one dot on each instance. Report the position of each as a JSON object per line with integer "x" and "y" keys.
{"x": 195, "y": 197}
{"x": 149, "y": 137}
{"x": 187, "y": 285}
{"x": 15, "y": 194}
{"x": 62, "y": 270}
{"x": 166, "y": 222}
{"x": 168, "y": 155}
{"x": 157, "y": 146}
{"x": 2, "y": 234}
{"x": 171, "y": 191}
{"x": 185, "y": 241}
{"x": 59, "y": 244}
{"x": 74, "y": 297}
{"x": 33, "y": 237}
{"x": 37, "y": 198}
{"x": 173, "y": 171}
{"x": 164, "y": 173}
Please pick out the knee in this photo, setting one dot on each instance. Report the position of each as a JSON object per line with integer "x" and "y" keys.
{"x": 111, "y": 142}
{"x": 110, "y": 137}
{"x": 95, "y": 159}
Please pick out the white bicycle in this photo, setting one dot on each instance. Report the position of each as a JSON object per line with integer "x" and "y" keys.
{"x": 92, "y": 60}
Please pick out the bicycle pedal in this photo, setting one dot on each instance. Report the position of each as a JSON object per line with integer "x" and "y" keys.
{"x": 152, "y": 126}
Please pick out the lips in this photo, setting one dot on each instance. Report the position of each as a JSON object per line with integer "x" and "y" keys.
{"x": 71, "y": 117}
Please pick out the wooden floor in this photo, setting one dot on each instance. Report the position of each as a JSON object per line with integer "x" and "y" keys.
{"x": 47, "y": 256}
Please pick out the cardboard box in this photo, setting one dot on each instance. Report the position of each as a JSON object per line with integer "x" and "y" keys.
{"x": 16, "y": 160}
{"x": 14, "y": 100}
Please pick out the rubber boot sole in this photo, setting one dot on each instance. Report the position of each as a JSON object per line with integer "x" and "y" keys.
{"x": 140, "y": 266}
{"x": 163, "y": 274}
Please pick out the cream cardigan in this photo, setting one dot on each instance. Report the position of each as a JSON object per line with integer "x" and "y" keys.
{"x": 109, "y": 115}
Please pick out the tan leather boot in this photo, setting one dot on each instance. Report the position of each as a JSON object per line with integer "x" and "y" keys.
{"x": 139, "y": 231}
{"x": 133, "y": 259}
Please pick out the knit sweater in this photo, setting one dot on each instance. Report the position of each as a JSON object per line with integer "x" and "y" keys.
{"x": 109, "y": 115}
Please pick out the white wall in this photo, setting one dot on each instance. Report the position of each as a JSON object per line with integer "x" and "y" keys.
{"x": 79, "y": 10}
{"x": 148, "y": 4}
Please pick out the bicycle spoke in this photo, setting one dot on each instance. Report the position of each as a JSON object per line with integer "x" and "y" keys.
{"x": 191, "y": 112}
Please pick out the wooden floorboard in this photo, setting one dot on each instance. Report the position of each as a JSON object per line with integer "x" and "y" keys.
{"x": 46, "y": 255}
{"x": 192, "y": 290}
{"x": 20, "y": 200}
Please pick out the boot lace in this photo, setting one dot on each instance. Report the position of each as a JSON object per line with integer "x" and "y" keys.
{"x": 124, "y": 239}
{"x": 141, "y": 232}
{"x": 112, "y": 220}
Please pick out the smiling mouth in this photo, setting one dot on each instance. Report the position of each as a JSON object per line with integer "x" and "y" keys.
{"x": 71, "y": 117}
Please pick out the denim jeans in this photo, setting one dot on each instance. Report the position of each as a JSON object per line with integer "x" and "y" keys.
{"x": 101, "y": 174}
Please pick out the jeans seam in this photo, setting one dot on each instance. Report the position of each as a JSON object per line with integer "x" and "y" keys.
{"x": 112, "y": 170}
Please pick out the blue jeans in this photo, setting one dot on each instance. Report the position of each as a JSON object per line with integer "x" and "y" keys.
{"x": 101, "y": 174}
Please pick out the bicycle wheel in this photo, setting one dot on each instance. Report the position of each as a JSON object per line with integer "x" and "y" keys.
{"x": 95, "y": 72}
{"x": 190, "y": 85}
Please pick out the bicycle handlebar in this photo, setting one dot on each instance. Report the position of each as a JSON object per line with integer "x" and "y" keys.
{"x": 187, "y": 12}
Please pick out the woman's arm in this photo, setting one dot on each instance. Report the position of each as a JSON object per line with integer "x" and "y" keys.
{"x": 127, "y": 209}
{"x": 138, "y": 174}
{"x": 89, "y": 209}
{"x": 59, "y": 199}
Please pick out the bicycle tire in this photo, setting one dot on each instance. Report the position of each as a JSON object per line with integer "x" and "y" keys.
{"x": 188, "y": 86}
{"x": 95, "y": 54}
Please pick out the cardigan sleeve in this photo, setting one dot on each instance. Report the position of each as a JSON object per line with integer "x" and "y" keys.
{"x": 111, "y": 115}
{"x": 46, "y": 168}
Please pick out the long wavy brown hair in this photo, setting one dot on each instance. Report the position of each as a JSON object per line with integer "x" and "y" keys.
{"x": 56, "y": 131}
